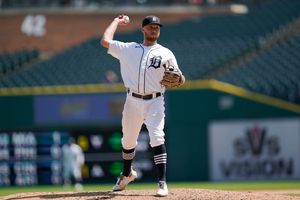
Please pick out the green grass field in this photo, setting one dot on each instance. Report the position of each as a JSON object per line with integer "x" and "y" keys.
{"x": 237, "y": 186}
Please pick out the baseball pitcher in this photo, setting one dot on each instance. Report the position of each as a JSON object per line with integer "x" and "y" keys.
{"x": 147, "y": 68}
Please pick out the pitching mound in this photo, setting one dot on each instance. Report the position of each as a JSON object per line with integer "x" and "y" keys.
{"x": 182, "y": 194}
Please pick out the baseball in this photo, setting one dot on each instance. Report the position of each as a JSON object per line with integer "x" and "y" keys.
{"x": 126, "y": 19}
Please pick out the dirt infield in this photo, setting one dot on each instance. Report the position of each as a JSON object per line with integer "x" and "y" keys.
{"x": 182, "y": 194}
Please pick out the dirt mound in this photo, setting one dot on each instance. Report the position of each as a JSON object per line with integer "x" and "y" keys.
{"x": 182, "y": 194}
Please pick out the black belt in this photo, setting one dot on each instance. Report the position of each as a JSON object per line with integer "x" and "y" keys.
{"x": 145, "y": 97}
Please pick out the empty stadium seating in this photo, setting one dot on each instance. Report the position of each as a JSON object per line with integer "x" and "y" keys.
{"x": 275, "y": 72}
{"x": 82, "y": 64}
{"x": 13, "y": 61}
{"x": 199, "y": 56}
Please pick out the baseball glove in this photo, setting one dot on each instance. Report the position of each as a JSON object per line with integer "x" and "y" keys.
{"x": 172, "y": 77}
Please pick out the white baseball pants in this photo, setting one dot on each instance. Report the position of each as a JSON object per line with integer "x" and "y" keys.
{"x": 138, "y": 111}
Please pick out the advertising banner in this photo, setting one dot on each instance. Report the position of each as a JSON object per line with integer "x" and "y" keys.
{"x": 266, "y": 149}
{"x": 79, "y": 109}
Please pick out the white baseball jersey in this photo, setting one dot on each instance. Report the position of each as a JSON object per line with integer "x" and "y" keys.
{"x": 142, "y": 66}
{"x": 142, "y": 70}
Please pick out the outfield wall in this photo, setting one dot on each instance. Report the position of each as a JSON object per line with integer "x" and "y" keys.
{"x": 208, "y": 132}
{"x": 214, "y": 131}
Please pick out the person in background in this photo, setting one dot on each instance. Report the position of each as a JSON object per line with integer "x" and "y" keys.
{"x": 73, "y": 160}
{"x": 111, "y": 77}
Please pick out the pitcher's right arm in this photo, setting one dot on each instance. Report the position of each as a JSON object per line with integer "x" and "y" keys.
{"x": 111, "y": 29}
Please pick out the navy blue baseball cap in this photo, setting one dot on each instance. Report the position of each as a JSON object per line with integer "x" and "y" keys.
{"x": 151, "y": 20}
